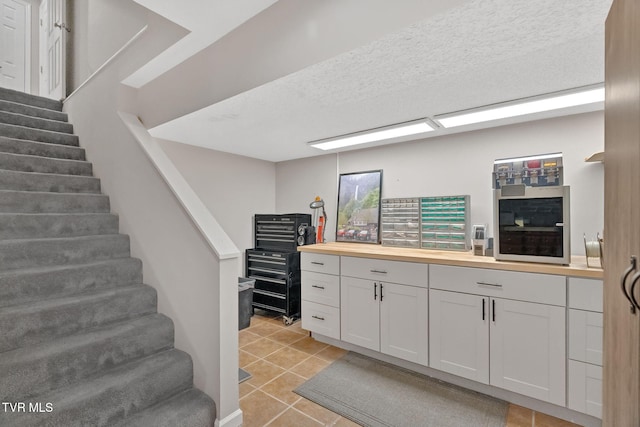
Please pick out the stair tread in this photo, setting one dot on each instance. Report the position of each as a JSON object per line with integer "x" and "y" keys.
{"x": 52, "y": 159}
{"x": 53, "y": 268}
{"x": 42, "y": 164}
{"x": 41, "y": 135}
{"x": 35, "y": 111}
{"x": 40, "y": 321}
{"x": 191, "y": 408}
{"x": 18, "y": 254}
{"x": 64, "y": 361}
{"x": 36, "y": 306}
{"x": 91, "y": 334}
{"x": 29, "y": 99}
{"x": 47, "y": 146}
{"x": 39, "y": 181}
{"x": 112, "y": 395}
{"x": 32, "y": 122}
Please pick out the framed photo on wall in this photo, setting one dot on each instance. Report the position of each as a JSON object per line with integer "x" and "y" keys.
{"x": 359, "y": 207}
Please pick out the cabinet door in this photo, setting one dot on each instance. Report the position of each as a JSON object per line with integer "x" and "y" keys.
{"x": 528, "y": 353}
{"x": 359, "y": 312}
{"x": 459, "y": 334}
{"x": 403, "y": 322}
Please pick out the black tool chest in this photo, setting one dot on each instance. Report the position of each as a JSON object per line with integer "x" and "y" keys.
{"x": 277, "y": 276}
{"x": 274, "y": 262}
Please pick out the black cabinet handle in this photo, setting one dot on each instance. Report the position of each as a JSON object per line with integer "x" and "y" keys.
{"x": 483, "y": 309}
{"x": 317, "y": 317}
{"x": 318, "y": 287}
{"x": 375, "y": 291}
{"x": 380, "y": 291}
{"x": 634, "y": 282}
{"x": 317, "y": 263}
{"x": 623, "y": 283}
{"x": 493, "y": 310}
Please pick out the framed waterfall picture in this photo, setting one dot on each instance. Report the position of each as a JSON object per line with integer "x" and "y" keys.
{"x": 359, "y": 207}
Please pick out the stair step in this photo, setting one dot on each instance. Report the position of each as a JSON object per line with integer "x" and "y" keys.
{"x": 35, "y": 122}
{"x": 30, "y": 324}
{"x": 29, "y": 110}
{"x": 37, "y": 225}
{"x": 52, "y": 365}
{"x": 28, "y": 163}
{"x": 35, "y": 181}
{"x": 30, "y": 134}
{"x": 45, "y": 202}
{"x": 43, "y": 149}
{"x": 28, "y": 99}
{"x": 191, "y": 408}
{"x": 25, "y": 254}
{"x": 110, "y": 398}
{"x": 37, "y": 284}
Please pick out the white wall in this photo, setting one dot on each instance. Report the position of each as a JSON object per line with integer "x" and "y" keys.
{"x": 298, "y": 182}
{"x": 462, "y": 164}
{"x": 234, "y": 188}
{"x": 100, "y": 28}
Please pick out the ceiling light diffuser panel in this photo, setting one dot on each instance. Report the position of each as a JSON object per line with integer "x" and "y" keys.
{"x": 522, "y": 108}
{"x": 374, "y": 135}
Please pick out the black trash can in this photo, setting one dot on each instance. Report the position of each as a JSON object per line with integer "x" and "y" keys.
{"x": 245, "y": 301}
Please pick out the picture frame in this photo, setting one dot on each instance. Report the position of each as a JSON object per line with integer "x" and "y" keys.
{"x": 358, "y": 218}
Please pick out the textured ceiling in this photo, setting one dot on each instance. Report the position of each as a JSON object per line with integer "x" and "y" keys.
{"x": 484, "y": 52}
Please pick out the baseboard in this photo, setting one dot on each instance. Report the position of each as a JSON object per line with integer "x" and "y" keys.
{"x": 232, "y": 420}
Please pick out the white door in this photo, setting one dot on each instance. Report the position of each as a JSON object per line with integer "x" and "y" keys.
{"x": 459, "y": 334}
{"x": 14, "y": 54}
{"x": 403, "y": 322}
{"x": 53, "y": 31}
{"x": 528, "y": 354}
{"x": 360, "y": 312}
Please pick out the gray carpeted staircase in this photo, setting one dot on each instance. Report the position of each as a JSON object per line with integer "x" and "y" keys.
{"x": 81, "y": 342}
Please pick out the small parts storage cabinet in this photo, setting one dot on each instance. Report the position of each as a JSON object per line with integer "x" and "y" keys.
{"x": 585, "y": 346}
{"x": 277, "y": 276}
{"x": 321, "y": 294}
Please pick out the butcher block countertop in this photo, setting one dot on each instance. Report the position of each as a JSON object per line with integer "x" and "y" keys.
{"x": 578, "y": 267}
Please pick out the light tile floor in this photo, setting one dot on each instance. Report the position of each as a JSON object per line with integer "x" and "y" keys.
{"x": 280, "y": 358}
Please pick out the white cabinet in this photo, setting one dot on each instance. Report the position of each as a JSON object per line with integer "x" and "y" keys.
{"x": 527, "y": 342}
{"x": 585, "y": 346}
{"x": 321, "y": 293}
{"x": 459, "y": 334}
{"x": 514, "y": 344}
{"x": 381, "y": 315}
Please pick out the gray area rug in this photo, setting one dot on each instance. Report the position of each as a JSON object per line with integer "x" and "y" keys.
{"x": 374, "y": 393}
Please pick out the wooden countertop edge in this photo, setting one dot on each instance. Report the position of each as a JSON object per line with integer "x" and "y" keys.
{"x": 578, "y": 267}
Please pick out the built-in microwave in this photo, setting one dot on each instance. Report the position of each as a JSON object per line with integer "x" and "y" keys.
{"x": 532, "y": 224}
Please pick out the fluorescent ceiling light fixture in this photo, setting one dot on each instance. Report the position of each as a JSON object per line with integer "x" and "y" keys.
{"x": 379, "y": 134}
{"x": 521, "y": 108}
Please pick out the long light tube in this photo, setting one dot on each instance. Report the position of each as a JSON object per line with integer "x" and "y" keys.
{"x": 519, "y": 109}
{"x": 372, "y": 136}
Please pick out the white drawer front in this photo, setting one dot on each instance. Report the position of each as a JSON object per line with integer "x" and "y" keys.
{"x": 409, "y": 273}
{"x": 532, "y": 287}
{"x": 321, "y": 288}
{"x": 585, "y": 388}
{"x": 320, "y": 263}
{"x": 321, "y": 319}
{"x": 585, "y": 336}
{"x": 585, "y": 294}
